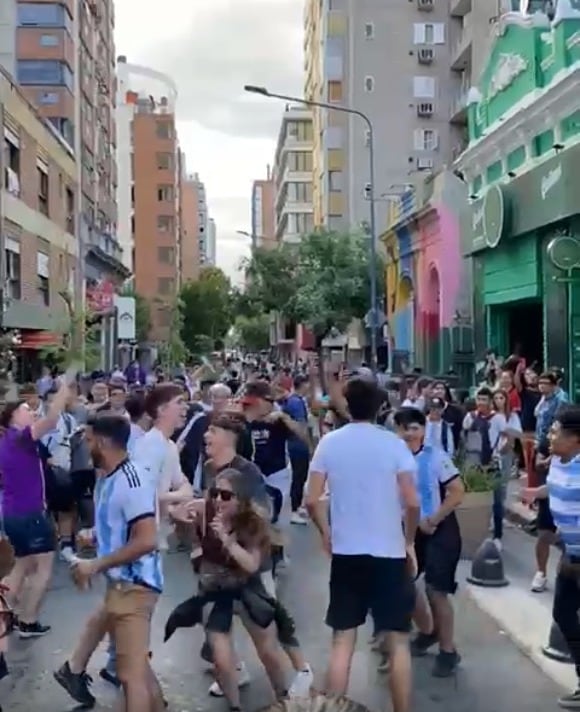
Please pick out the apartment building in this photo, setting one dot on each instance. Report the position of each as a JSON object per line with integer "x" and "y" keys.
{"x": 155, "y": 198}
{"x": 190, "y": 255}
{"x": 263, "y": 214}
{"x": 403, "y": 65}
{"x": 211, "y": 251}
{"x": 37, "y": 223}
{"x": 293, "y": 174}
{"x": 206, "y": 232}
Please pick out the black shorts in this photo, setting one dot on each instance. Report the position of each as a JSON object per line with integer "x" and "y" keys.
{"x": 362, "y": 584}
{"x": 30, "y": 534}
{"x": 438, "y": 555}
{"x": 545, "y": 521}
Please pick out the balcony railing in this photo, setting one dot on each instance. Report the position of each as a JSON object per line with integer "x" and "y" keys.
{"x": 461, "y": 47}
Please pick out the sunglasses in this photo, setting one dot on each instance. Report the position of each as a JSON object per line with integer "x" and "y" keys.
{"x": 224, "y": 495}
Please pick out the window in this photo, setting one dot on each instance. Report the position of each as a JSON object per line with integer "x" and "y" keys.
{"x": 47, "y": 98}
{"x": 49, "y": 40}
{"x": 369, "y": 30}
{"x": 335, "y": 181}
{"x": 164, "y": 316}
{"x": 165, "y": 223}
{"x": 12, "y": 163}
{"x": 43, "y": 14}
{"x": 165, "y": 161}
{"x": 426, "y": 139}
{"x": 42, "y": 174}
{"x": 429, "y": 33}
{"x": 334, "y": 91}
{"x": 12, "y": 257}
{"x": 300, "y": 161}
{"x": 65, "y": 127}
{"x": 369, "y": 84}
{"x": 44, "y": 71}
{"x": 164, "y": 285}
{"x": 424, "y": 87}
{"x": 69, "y": 206}
{"x": 164, "y": 129}
{"x": 299, "y": 193}
{"x": 299, "y": 130}
{"x": 300, "y": 223}
{"x": 43, "y": 273}
{"x": 165, "y": 193}
{"x": 166, "y": 255}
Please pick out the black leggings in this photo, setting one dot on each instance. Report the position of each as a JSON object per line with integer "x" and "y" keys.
{"x": 565, "y": 612}
{"x": 299, "y": 464}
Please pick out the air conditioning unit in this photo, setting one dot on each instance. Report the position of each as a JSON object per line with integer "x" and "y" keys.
{"x": 426, "y": 55}
{"x": 425, "y": 108}
{"x": 425, "y": 164}
{"x": 426, "y": 5}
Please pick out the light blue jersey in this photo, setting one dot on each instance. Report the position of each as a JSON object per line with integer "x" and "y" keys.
{"x": 121, "y": 499}
{"x": 435, "y": 469}
{"x": 563, "y": 483}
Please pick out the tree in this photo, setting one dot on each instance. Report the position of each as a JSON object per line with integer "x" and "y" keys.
{"x": 270, "y": 277}
{"x": 173, "y": 351}
{"x": 206, "y": 309}
{"x": 253, "y": 332}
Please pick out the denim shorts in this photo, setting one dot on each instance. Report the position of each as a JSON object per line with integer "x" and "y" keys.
{"x": 30, "y": 534}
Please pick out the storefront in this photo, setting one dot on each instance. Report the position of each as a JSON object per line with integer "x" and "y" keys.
{"x": 525, "y": 245}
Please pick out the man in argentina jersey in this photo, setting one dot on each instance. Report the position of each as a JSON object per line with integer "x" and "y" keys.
{"x": 127, "y": 555}
{"x": 562, "y": 489}
{"x": 437, "y": 542}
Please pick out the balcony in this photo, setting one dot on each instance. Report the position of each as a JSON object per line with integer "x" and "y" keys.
{"x": 459, "y": 8}
{"x": 458, "y": 109}
{"x": 461, "y": 49}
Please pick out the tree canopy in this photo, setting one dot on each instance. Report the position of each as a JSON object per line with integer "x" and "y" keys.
{"x": 206, "y": 309}
{"x": 253, "y": 332}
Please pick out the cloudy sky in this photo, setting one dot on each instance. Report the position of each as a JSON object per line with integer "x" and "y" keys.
{"x": 212, "y": 48}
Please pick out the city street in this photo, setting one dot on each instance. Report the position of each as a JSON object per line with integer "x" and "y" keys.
{"x": 494, "y": 675}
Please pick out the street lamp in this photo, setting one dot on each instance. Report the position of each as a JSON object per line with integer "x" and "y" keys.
{"x": 374, "y": 310}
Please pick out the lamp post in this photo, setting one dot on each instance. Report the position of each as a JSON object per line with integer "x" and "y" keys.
{"x": 373, "y": 312}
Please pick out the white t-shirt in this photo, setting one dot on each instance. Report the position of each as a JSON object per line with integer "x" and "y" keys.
{"x": 361, "y": 462}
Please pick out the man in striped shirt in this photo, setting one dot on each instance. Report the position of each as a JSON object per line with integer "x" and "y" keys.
{"x": 562, "y": 489}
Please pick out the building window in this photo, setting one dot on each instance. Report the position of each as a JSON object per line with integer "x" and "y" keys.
{"x": 334, "y": 91}
{"x": 69, "y": 199}
{"x": 43, "y": 273}
{"x": 164, "y": 129}
{"x": 299, "y": 193}
{"x": 164, "y": 285}
{"x": 43, "y": 14}
{"x": 49, "y": 40}
{"x": 429, "y": 33}
{"x": 424, "y": 87}
{"x": 165, "y": 223}
{"x": 12, "y": 163}
{"x": 369, "y": 84}
{"x": 166, "y": 255}
{"x": 164, "y": 317}
{"x": 165, "y": 161}
{"x": 300, "y": 223}
{"x": 299, "y": 130}
{"x": 44, "y": 71}
{"x": 426, "y": 140}
{"x": 65, "y": 127}
{"x": 335, "y": 181}
{"x": 300, "y": 161}
{"x": 12, "y": 257}
{"x": 42, "y": 174}
{"x": 369, "y": 30}
{"x": 165, "y": 193}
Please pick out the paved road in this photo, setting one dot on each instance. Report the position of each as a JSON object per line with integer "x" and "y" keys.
{"x": 494, "y": 676}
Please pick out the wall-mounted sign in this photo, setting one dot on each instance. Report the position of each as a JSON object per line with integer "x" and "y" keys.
{"x": 101, "y": 297}
{"x": 126, "y": 314}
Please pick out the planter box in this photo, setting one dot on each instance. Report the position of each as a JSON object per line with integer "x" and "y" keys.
{"x": 474, "y": 516}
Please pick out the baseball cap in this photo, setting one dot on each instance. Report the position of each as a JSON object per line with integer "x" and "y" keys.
{"x": 363, "y": 372}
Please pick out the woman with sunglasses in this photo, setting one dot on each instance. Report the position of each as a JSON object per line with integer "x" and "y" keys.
{"x": 234, "y": 539}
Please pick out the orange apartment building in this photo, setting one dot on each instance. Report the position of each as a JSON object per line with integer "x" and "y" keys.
{"x": 156, "y": 210}
{"x": 264, "y": 212}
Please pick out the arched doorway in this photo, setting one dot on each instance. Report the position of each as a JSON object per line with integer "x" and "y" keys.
{"x": 433, "y": 313}
{"x": 405, "y": 317}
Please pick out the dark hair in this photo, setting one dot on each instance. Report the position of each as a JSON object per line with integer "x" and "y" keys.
{"x": 117, "y": 385}
{"x": 423, "y": 382}
{"x": 485, "y": 392}
{"x": 569, "y": 418}
{"x": 8, "y": 413}
{"x": 549, "y": 376}
{"x": 232, "y": 421}
{"x": 160, "y": 396}
{"x": 409, "y": 416}
{"x": 300, "y": 381}
{"x": 135, "y": 406}
{"x": 363, "y": 398}
{"x": 259, "y": 389}
{"x": 250, "y": 526}
{"x": 115, "y": 428}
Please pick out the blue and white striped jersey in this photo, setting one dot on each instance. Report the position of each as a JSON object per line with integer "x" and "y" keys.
{"x": 563, "y": 483}
{"x": 121, "y": 499}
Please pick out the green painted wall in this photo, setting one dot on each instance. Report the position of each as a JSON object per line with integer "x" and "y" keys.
{"x": 544, "y": 142}
{"x": 570, "y": 126}
{"x": 511, "y": 271}
{"x": 516, "y": 158}
{"x": 494, "y": 172}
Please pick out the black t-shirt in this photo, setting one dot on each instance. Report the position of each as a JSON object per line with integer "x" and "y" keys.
{"x": 529, "y": 400}
{"x": 267, "y": 445}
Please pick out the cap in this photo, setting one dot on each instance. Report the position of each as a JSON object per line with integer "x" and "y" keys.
{"x": 363, "y": 372}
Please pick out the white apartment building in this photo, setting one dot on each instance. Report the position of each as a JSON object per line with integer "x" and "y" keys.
{"x": 210, "y": 257}
{"x": 293, "y": 175}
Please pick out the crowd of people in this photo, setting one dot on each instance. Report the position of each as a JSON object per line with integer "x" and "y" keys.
{"x": 108, "y": 473}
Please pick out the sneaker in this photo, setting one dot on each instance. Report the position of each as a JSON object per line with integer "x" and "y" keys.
{"x": 539, "y": 582}
{"x": 498, "y": 545}
{"x": 421, "y": 643}
{"x": 446, "y": 664}
{"x": 67, "y": 554}
{"x": 297, "y": 518}
{"x": 303, "y": 512}
{"x": 571, "y": 701}
{"x": 243, "y": 679}
{"x": 385, "y": 664}
{"x": 110, "y": 677}
{"x": 32, "y": 630}
{"x": 77, "y": 686}
{"x": 302, "y": 683}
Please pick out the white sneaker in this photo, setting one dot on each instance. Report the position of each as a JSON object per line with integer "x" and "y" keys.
{"x": 297, "y": 518}
{"x": 67, "y": 554}
{"x": 302, "y": 683}
{"x": 498, "y": 545}
{"x": 303, "y": 512}
{"x": 243, "y": 679}
{"x": 539, "y": 582}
